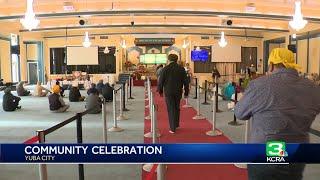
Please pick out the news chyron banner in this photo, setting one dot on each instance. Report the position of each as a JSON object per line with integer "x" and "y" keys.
{"x": 271, "y": 152}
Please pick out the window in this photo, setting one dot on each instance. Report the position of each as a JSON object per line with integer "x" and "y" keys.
{"x": 107, "y": 62}
{"x": 314, "y": 55}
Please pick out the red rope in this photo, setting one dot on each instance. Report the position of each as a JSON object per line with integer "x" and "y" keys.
{"x": 152, "y": 172}
{"x": 32, "y": 140}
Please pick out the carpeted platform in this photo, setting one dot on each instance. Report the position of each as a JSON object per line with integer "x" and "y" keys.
{"x": 191, "y": 131}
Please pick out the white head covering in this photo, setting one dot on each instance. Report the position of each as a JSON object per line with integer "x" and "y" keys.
{"x": 75, "y": 84}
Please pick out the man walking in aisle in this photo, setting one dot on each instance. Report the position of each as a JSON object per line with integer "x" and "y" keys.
{"x": 172, "y": 79}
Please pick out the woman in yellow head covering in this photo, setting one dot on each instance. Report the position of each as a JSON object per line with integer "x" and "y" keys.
{"x": 56, "y": 103}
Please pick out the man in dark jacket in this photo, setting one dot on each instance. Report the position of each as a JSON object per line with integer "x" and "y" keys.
{"x": 100, "y": 86}
{"x": 93, "y": 89}
{"x": 107, "y": 92}
{"x": 172, "y": 79}
{"x": 10, "y": 102}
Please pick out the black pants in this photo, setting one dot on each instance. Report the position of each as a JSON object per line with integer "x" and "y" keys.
{"x": 173, "y": 106}
{"x": 275, "y": 171}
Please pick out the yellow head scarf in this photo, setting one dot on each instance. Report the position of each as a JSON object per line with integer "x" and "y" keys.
{"x": 284, "y": 56}
{"x": 56, "y": 89}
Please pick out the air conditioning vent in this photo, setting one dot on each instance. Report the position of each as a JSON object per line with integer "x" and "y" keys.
{"x": 104, "y": 37}
{"x": 205, "y": 37}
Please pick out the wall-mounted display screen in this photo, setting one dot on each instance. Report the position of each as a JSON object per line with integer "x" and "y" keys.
{"x": 202, "y": 55}
{"x": 153, "y": 58}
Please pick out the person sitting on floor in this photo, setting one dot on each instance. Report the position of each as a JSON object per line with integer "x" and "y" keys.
{"x": 74, "y": 94}
{"x": 1, "y": 82}
{"x": 10, "y": 102}
{"x": 40, "y": 91}
{"x": 61, "y": 88}
{"x": 56, "y": 103}
{"x": 21, "y": 91}
{"x": 107, "y": 92}
{"x": 100, "y": 86}
{"x": 92, "y": 89}
{"x": 93, "y": 102}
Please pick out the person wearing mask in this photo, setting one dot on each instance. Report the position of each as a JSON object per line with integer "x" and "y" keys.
{"x": 61, "y": 88}
{"x": 107, "y": 92}
{"x": 93, "y": 103}
{"x": 92, "y": 89}
{"x": 159, "y": 69}
{"x": 21, "y": 91}
{"x": 74, "y": 94}
{"x": 282, "y": 107}
{"x": 40, "y": 91}
{"x": 100, "y": 86}
{"x": 56, "y": 103}
{"x": 172, "y": 80}
{"x": 10, "y": 102}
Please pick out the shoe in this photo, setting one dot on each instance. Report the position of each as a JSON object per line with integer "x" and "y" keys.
{"x": 19, "y": 107}
{"x": 172, "y": 132}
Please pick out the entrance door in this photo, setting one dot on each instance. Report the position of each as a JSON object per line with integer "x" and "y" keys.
{"x": 32, "y": 72}
{"x": 248, "y": 57}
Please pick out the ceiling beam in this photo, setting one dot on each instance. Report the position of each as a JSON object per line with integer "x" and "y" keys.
{"x": 164, "y": 13}
{"x": 174, "y": 33}
{"x": 157, "y": 26}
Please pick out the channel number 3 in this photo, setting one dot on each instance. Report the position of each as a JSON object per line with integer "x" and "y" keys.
{"x": 275, "y": 148}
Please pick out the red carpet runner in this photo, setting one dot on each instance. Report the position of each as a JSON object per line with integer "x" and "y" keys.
{"x": 191, "y": 131}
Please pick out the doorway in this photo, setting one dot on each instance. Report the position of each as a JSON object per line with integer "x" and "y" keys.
{"x": 32, "y": 72}
{"x": 248, "y": 57}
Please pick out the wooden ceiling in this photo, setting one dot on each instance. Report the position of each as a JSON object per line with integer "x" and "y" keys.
{"x": 176, "y": 15}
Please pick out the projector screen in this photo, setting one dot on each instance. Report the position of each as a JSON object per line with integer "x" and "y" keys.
{"x": 82, "y": 56}
{"x": 230, "y": 53}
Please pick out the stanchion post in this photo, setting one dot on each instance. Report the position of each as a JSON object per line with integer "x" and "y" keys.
{"x": 216, "y": 96}
{"x": 150, "y": 100}
{"x": 196, "y": 89}
{"x": 246, "y": 138}
{"x": 79, "y": 141}
{"x": 235, "y": 122}
{"x": 127, "y": 91}
{"x": 130, "y": 86}
{"x": 115, "y": 127}
{"x": 121, "y": 115}
{"x": 205, "y": 93}
{"x": 43, "y": 173}
{"x": 153, "y": 119}
{"x": 104, "y": 119}
{"x": 214, "y": 131}
{"x": 161, "y": 172}
{"x": 198, "y": 116}
{"x": 124, "y": 98}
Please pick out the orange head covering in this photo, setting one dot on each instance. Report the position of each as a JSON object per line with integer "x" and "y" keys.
{"x": 56, "y": 89}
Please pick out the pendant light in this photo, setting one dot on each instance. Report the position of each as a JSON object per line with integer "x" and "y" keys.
{"x": 86, "y": 43}
{"x": 222, "y": 43}
{"x": 29, "y": 21}
{"x": 298, "y": 23}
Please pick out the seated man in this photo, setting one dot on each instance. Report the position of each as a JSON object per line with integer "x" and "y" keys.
{"x": 1, "y": 82}
{"x": 56, "y": 103}
{"x": 92, "y": 89}
{"x": 107, "y": 93}
{"x": 93, "y": 102}
{"x": 21, "y": 91}
{"x": 74, "y": 94}
{"x": 100, "y": 86}
{"x": 10, "y": 102}
{"x": 40, "y": 91}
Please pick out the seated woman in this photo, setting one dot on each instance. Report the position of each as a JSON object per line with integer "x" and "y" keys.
{"x": 107, "y": 92}
{"x": 40, "y": 91}
{"x": 93, "y": 103}
{"x": 56, "y": 103}
{"x": 10, "y": 102}
{"x": 61, "y": 88}
{"x": 92, "y": 89}
{"x": 74, "y": 94}
{"x": 21, "y": 91}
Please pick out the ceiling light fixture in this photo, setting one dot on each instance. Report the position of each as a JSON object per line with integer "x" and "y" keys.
{"x": 86, "y": 43}
{"x": 123, "y": 44}
{"x": 106, "y": 50}
{"x": 29, "y": 21}
{"x": 294, "y": 36}
{"x": 222, "y": 43}
{"x": 298, "y": 23}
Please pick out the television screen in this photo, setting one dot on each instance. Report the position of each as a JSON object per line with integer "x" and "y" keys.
{"x": 149, "y": 58}
{"x": 141, "y": 58}
{"x": 202, "y": 55}
{"x": 161, "y": 58}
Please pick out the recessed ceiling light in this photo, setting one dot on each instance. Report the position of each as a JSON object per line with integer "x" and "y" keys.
{"x": 250, "y": 7}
